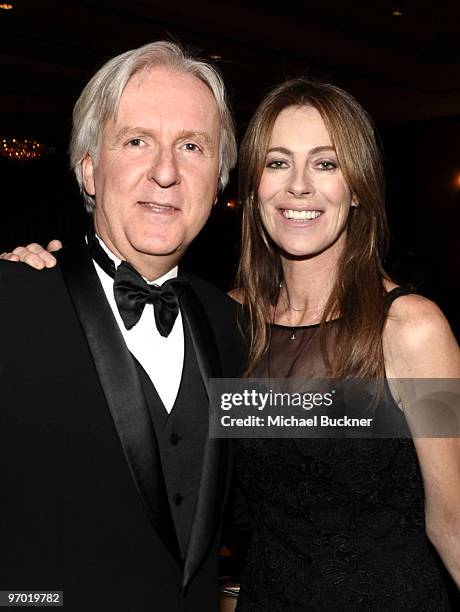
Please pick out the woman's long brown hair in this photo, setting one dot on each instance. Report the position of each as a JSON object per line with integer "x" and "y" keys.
{"x": 357, "y": 297}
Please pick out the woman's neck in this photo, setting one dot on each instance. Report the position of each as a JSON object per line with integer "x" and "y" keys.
{"x": 306, "y": 287}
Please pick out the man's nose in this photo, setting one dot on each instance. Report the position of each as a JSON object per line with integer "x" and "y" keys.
{"x": 164, "y": 169}
{"x": 300, "y": 183}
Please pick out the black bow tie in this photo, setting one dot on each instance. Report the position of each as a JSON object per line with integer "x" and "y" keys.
{"x": 132, "y": 292}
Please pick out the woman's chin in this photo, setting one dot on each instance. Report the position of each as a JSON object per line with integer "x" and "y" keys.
{"x": 298, "y": 253}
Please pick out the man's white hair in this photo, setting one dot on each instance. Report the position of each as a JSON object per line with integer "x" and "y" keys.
{"x": 100, "y": 99}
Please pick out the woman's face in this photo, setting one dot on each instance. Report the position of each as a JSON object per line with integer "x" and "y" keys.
{"x": 303, "y": 197}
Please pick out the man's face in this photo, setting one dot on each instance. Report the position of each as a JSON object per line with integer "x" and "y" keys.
{"x": 156, "y": 176}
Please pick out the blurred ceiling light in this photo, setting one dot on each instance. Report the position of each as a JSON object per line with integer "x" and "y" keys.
{"x": 397, "y": 8}
{"x": 6, "y": 6}
{"x": 232, "y": 204}
{"x": 21, "y": 149}
{"x": 457, "y": 180}
{"x": 215, "y": 56}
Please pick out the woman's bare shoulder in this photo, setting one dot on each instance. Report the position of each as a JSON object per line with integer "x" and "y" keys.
{"x": 418, "y": 339}
{"x": 416, "y": 317}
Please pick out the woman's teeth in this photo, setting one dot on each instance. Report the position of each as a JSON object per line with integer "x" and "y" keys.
{"x": 301, "y": 214}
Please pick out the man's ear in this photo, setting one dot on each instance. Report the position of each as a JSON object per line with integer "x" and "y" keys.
{"x": 219, "y": 189}
{"x": 87, "y": 166}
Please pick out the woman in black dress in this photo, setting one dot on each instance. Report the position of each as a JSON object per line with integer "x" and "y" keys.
{"x": 339, "y": 524}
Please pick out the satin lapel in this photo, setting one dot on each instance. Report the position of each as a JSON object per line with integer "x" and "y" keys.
{"x": 123, "y": 392}
{"x": 215, "y": 458}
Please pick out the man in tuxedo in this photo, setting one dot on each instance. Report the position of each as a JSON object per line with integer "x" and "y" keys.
{"x": 112, "y": 490}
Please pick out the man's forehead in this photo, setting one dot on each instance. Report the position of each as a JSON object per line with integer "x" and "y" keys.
{"x": 161, "y": 99}
{"x": 160, "y": 83}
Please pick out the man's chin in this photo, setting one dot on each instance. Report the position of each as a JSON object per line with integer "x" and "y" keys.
{"x": 156, "y": 250}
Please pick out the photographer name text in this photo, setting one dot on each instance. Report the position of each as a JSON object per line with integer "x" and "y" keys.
{"x": 292, "y": 421}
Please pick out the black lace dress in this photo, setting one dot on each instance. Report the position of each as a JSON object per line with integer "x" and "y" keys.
{"x": 338, "y": 523}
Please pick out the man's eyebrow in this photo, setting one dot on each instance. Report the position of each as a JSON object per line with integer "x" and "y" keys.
{"x": 318, "y": 149}
{"x": 132, "y": 130}
{"x": 195, "y": 134}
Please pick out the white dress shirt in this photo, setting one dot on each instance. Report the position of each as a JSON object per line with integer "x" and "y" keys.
{"x": 162, "y": 358}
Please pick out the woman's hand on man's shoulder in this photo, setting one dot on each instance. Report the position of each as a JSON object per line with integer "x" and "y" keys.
{"x": 34, "y": 255}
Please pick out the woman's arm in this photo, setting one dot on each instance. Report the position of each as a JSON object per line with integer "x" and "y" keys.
{"x": 419, "y": 344}
{"x": 34, "y": 254}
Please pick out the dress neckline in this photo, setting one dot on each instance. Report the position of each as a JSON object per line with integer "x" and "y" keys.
{"x": 279, "y": 326}
{"x": 389, "y": 298}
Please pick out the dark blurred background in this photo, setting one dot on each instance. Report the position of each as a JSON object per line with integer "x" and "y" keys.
{"x": 400, "y": 59}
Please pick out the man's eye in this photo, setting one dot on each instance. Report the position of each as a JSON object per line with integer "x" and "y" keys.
{"x": 191, "y": 146}
{"x": 276, "y": 164}
{"x": 136, "y": 142}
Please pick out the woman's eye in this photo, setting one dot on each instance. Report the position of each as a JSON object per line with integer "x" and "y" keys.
{"x": 277, "y": 164}
{"x": 327, "y": 165}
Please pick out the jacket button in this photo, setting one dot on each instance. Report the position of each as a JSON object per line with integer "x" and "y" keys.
{"x": 178, "y": 499}
{"x": 174, "y": 438}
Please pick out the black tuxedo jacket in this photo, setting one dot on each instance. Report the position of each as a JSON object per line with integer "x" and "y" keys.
{"x": 83, "y": 506}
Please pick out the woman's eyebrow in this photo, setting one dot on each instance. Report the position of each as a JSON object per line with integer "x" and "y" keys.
{"x": 322, "y": 148}
{"x": 280, "y": 150}
{"x": 318, "y": 149}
